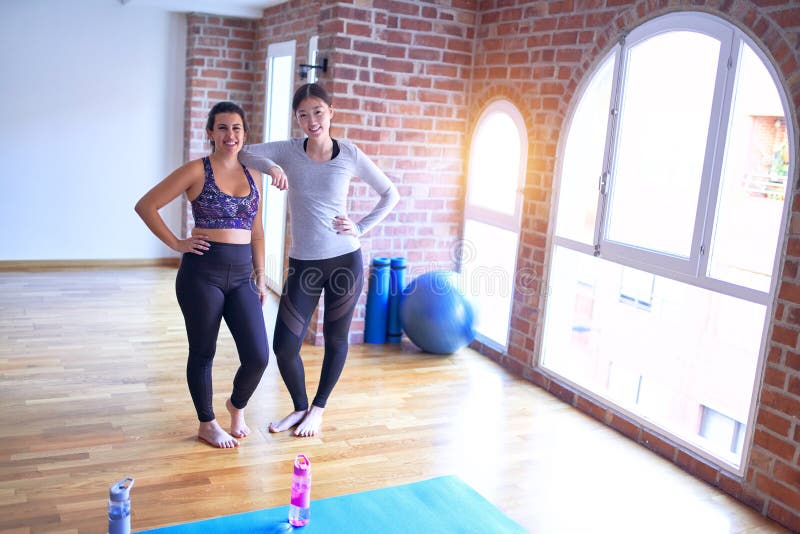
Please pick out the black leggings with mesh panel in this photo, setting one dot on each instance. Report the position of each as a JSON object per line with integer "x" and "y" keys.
{"x": 342, "y": 280}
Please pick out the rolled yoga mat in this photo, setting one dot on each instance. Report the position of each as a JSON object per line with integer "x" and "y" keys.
{"x": 397, "y": 281}
{"x": 377, "y": 311}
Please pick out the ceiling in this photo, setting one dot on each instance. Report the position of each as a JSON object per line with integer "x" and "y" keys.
{"x": 233, "y": 8}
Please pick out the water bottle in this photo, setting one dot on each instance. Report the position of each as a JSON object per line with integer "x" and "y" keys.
{"x": 300, "y": 506}
{"x": 119, "y": 507}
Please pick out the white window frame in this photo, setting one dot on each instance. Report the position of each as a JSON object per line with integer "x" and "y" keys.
{"x": 511, "y": 222}
{"x": 693, "y": 269}
{"x": 690, "y": 270}
{"x": 666, "y": 264}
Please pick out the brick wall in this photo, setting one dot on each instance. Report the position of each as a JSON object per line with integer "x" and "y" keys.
{"x": 219, "y": 66}
{"x": 409, "y": 79}
{"x": 296, "y": 20}
{"x": 398, "y": 79}
{"x": 536, "y": 54}
{"x": 768, "y": 136}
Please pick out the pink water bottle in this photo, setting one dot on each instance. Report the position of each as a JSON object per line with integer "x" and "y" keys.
{"x": 300, "y": 506}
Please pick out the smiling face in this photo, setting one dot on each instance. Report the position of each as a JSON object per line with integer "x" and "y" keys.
{"x": 314, "y": 117}
{"x": 228, "y": 133}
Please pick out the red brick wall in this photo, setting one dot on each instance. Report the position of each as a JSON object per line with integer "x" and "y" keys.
{"x": 400, "y": 71}
{"x": 536, "y": 54}
{"x": 410, "y": 78}
{"x": 219, "y": 66}
{"x": 768, "y": 135}
{"x": 295, "y": 20}
{"x": 398, "y": 78}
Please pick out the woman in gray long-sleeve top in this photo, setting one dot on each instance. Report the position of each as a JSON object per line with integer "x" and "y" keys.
{"x": 325, "y": 252}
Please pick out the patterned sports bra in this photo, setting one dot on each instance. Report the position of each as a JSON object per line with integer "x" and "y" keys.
{"x": 214, "y": 209}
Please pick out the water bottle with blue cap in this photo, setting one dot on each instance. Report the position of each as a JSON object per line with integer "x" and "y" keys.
{"x": 119, "y": 507}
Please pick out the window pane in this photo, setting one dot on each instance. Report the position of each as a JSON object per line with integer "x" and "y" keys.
{"x": 278, "y": 112}
{"x": 313, "y": 52}
{"x": 489, "y": 257}
{"x": 690, "y": 348}
{"x": 753, "y": 183}
{"x": 664, "y": 119}
{"x": 280, "y": 98}
{"x": 721, "y": 430}
{"x": 583, "y": 159}
{"x": 494, "y": 165}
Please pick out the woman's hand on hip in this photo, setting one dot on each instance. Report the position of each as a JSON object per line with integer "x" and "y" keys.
{"x": 344, "y": 225}
{"x": 195, "y": 244}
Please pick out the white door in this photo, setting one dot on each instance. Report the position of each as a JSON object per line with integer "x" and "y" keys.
{"x": 277, "y": 127}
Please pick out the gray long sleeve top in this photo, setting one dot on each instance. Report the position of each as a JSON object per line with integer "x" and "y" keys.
{"x": 318, "y": 193}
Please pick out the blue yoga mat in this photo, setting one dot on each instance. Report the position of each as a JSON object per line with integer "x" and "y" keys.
{"x": 439, "y": 505}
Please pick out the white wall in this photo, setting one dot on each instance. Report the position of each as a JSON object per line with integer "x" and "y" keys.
{"x": 91, "y": 104}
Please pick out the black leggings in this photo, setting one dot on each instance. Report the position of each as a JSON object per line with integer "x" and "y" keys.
{"x": 210, "y": 287}
{"x": 342, "y": 278}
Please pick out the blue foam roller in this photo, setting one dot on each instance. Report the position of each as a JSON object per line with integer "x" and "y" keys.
{"x": 377, "y": 312}
{"x": 397, "y": 281}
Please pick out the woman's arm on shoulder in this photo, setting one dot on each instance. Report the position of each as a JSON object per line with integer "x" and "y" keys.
{"x": 265, "y": 157}
{"x": 277, "y": 176}
{"x": 178, "y": 182}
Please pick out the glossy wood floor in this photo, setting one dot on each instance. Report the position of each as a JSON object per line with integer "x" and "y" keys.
{"x": 92, "y": 389}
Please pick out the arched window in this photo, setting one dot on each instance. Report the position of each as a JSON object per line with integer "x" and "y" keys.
{"x": 492, "y": 216}
{"x": 670, "y": 211}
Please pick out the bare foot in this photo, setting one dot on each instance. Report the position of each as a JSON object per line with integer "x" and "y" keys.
{"x": 311, "y": 423}
{"x": 213, "y": 434}
{"x": 239, "y": 428}
{"x": 287, "y": 422}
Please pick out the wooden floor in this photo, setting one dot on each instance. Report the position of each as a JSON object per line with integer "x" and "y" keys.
{"x": 92, "y": 389}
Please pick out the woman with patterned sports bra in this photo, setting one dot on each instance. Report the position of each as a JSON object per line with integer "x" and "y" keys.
{"x": 221, "y": 275}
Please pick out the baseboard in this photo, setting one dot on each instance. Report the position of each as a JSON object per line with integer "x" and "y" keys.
{"x": 84, "y": 265}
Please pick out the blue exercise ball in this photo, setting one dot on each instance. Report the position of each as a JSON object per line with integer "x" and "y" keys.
{"x": 436, "y": 315}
